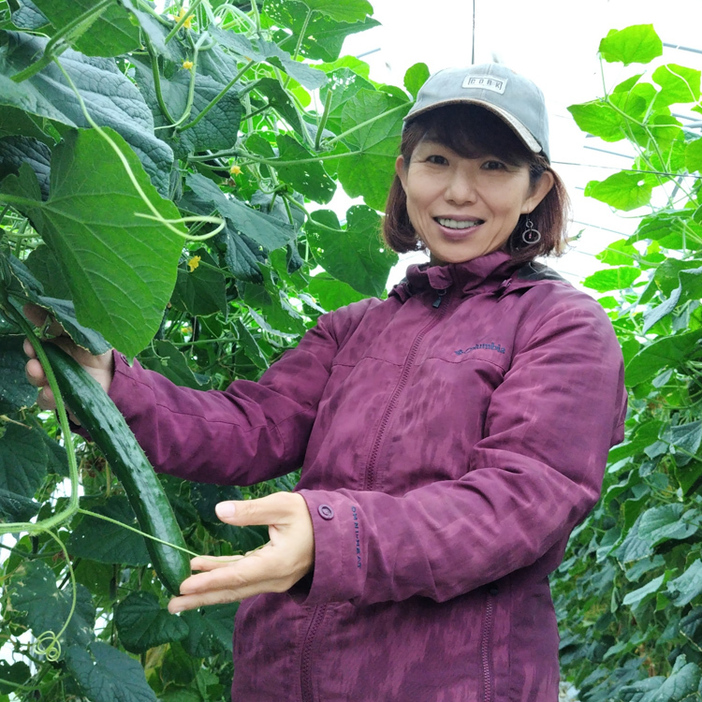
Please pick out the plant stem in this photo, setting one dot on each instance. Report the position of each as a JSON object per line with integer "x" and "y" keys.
{"x": 302, "y": 34}
{"x": 88, "y": 513}
{"x": 157, "y": 79}
{"x": 47, "y": 524}
{"x": 17, "y": 200}
{"x": 217, "y": 97}
{"x": 182, "y": 21}
{"x": 323, "y": 120}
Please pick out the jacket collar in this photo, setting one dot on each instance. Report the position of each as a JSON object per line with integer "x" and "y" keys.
{"x": 487, "y": 272}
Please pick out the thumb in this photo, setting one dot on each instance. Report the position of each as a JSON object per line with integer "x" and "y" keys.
{"x": 278, "y": 508}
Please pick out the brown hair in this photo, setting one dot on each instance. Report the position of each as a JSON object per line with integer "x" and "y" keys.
{"x": 471, "y": 131}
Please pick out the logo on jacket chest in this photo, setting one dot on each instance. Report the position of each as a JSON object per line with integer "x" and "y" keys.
{"x": 489, "y": 346}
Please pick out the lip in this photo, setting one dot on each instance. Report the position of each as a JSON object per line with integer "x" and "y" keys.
{"x": 458, "y": 234}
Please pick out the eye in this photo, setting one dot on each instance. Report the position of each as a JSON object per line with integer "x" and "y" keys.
{"x": 493, "y": 165}
{"x": 437, "y": 160}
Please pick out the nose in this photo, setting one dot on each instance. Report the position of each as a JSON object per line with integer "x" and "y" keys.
{"x": 461, "y": 187}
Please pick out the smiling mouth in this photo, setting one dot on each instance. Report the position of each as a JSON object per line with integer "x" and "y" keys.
{"x": 458, "y": 223}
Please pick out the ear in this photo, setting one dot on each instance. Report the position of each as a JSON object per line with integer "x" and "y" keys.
{"x": 401, "y": 171}
{"x": 541, "y": 189}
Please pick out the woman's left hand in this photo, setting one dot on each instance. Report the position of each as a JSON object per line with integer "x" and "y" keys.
{"x": 276, "y": 567}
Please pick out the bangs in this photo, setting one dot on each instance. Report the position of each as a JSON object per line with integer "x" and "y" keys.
{"x": 472, "y": 132}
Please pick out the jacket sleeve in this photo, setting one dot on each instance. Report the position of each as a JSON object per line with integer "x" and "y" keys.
{"x": 535, "y": 475}
{"x": 251, "y": 431}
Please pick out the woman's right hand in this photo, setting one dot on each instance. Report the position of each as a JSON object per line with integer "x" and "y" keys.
{"x": 100, "y": 367}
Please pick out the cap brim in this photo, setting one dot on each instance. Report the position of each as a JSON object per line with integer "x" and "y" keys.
{"x": 521, "y": 131}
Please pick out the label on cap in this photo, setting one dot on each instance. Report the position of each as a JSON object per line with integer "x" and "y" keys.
{"x": 497, "y": 85}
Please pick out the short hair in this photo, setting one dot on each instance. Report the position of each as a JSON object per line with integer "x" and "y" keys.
{"x": 471, "y": 131}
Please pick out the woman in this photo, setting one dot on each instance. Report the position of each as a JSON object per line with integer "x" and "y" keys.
{"x": 450, "y": 436}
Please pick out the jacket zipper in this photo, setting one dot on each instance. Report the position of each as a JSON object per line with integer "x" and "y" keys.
{"x": 369, "y": 482}
{"x": 307, "y": 691}
{"x": 485, "y": 644}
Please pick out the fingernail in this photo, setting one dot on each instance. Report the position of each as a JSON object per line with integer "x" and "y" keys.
{"x": 225, "y": 510}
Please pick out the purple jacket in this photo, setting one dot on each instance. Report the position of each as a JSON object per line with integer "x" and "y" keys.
{"x": 450, "y": 438}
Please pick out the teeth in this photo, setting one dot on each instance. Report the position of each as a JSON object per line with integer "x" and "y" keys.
{"x": 458, "y": 224}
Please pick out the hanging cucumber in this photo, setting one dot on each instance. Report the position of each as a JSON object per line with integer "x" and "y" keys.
{"x": 109, "y": 430}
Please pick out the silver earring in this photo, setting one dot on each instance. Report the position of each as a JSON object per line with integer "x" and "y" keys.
{"x": 530, "y": 235}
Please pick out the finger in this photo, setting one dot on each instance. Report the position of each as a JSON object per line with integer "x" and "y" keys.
{"x": 183, "y": 603}
{"x": 35, "y": 373}
{"x": 35, "y": 314}
{"x": 207, "y": 563}
{"x": 279, "y": 509}
{"x": 46, "y": 400}
{"x": 39, "y": 317}
{"x": 29, "y": 349}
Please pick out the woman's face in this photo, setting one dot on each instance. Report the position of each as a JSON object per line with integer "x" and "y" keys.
{"x": 463, "y": 208}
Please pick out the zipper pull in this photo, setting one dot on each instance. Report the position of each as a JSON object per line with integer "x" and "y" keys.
{"x": 437, "y": 302}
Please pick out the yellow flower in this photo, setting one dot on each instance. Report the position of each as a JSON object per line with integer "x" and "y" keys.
{"x": 188, "y": 22}
{"x": 235, "y": 170}
{"x": 193, "y": 263}
{"x": 187, "y": 65}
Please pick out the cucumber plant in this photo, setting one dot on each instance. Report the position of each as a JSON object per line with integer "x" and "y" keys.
{"x": 165, "y": 180}
{"x": 629, "y": 593}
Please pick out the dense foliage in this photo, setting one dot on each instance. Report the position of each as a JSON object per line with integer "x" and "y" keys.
{"x": 163, "y": 179}
{"x": 629, "y": 594}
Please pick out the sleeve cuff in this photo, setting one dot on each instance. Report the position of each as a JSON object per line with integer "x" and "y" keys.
{"x": 339, "y": 560}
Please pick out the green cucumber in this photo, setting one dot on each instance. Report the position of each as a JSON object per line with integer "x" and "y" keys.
{"x": 108, "y": 429}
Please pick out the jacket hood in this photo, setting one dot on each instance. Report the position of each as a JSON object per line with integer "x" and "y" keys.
{"x": 489, "y": 272}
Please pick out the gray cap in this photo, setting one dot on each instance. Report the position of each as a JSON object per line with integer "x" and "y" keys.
{"x": 513, "y": 98}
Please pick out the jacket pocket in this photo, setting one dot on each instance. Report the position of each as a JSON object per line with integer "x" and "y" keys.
{"x": 486, "y": 643}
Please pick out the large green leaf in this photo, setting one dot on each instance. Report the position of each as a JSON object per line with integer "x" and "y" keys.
{"x": 109, "y": 34}
{"x": 324, "y": 34}
{"x": 415, "y": 77}
{"x": 165, "y": 358}
{"x": 210, "y": 631}
{"x": 119, "y": 265}
{"x": 16, "y": 150}
{"x": 266, "y": 231}
{"x": 105, "y": 542}
{"x": 600, "y": 119}
{"x": 678, "y": 84}
{"x": 23, "y": 460}
{"x": 617, "y": 278}
{"x": 44, "y": 608}
{"x": 662, "y": 353}
{"x": 688, "y": 586}
{"x": 105, "y": 674}
{"x": 143, "y": 624}
{"x": 15, "y": 390}
{"x": 636, "y": 44}
{"x": 344, "y": 83}
{"x": 625, "y": 191}
{"x": 202, "y": 290}
{"x": 666, "y": 522}
{"x": 372, "y": 122}
{"x": 28, "y": 16}
{"x": 15, "y": 508}
{"x": 308, "y": 178}
{"x": 110, "y": 97}
{"x": 332, "y": 293}
{"x": 693, "y": 156}
{"x": 356, "y": 254}
{"x": 348, "y": 11}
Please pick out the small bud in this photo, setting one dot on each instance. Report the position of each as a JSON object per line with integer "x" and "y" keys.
{"x": 193, "y": 263}
{"x": 187, "y": 65}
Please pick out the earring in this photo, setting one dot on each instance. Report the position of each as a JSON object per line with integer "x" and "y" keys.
{"x": 530, "y": 235}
